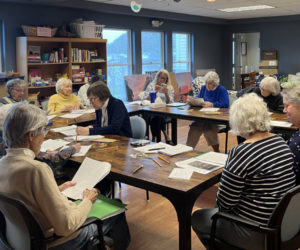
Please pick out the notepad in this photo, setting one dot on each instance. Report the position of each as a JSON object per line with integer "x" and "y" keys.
{"x": 181, "y": 173}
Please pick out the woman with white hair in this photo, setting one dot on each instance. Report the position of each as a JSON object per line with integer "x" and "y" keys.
{"x": 257, "y": 174}
{"x": 291, "y": 101}
{"x": 33, "y": 183}
{"x": 213, "y": 95}
{"x": 15, "y": 89}
{"x": 64, "y": 100}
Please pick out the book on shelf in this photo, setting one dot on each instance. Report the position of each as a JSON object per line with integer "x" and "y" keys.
{"x": 34, "y": 75}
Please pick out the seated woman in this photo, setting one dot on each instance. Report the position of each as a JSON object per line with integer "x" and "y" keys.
{"x": 164, "y": 90}
{"x": 82, "y": 93}
{"x": 33, "y": 183}
{"x": 111, "y": 114}
{"x": 15, "y": 89}
{"x": 214, "y": 95}
{"x": 64, "y": 100}
{"x": 291, "y": 101}
{"x": 257, "y": 174}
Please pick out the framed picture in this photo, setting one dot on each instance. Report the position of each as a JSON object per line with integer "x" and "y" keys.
{"x": 244, "y": 48}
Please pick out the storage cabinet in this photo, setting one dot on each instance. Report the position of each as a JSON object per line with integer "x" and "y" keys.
{"x": 54, "y": 57}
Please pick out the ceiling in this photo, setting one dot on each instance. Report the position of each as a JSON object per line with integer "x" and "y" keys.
{"x": 210, "y": 9}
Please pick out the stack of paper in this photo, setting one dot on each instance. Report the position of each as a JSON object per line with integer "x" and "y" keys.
{"x": 68, "y": 130}
{"x": 204, "y": 163}
{"x": 209, "y": 109}
{"x": 51, "y": 144}
{"x": 175, "y": 150}
{"x": 88, "y": 175}
{"x": 281, "y": 124}
{"x": 71, "y": 115}
{"x": 176, "y": 104}
{"x": 84, "y": 138}
{"x": 83, "y": 111}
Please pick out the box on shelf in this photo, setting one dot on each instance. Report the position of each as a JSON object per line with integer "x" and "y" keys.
{"x": 269, "y": 55}
{"x": 268, "y": 63}
{"x": 268, "y": 71}
{"x": 38, "y": 31}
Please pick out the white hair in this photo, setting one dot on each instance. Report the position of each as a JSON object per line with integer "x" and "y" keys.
{"x": 12, "y": 84}
{"x": 3, "y": 112}
{"x": 249, "y": 114}
{"x": 292, "y": 95}
{"x": 21, "y": 119}
{"x": 61, "y": 83}
{"x": 212, "y": 76}
{"x": 271, "y": 84}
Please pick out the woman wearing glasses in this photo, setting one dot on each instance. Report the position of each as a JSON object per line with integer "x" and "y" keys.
{"x": 15, "y": 89}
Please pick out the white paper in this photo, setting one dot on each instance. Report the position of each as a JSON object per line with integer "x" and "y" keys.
{"x": 181, "y": 173}
{"x": 51, "y": 144}
{"x": 70, "y": 115}
{"x": 209, "y": 109}
{"x": 84, "y": 138}
{"x": 49, "y": 117}
{"x": 83, "y": 151}
{"x": 281, "y": 124}
{"x": 135, "y": 103}
{"x": 62, "y": 129}
{"x": 158, "y": 146}
{"x": 175, "y": 150}
{"x": 213, "y": 158}
{"x": 176, "y": 104}
{"x": 69, "y": 132}
{"x": 87, "y": 176}
{"x": 83, "y": 111}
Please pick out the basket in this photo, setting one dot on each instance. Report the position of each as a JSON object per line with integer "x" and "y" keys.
{"x": 32, "y": 31}
{"x": 87, "y": 30}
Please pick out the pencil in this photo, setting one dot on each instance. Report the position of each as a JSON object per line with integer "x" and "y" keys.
{"x": 163, "y": 159}
{"x": 157, "y": 162}
{"x": 137, "y": 169}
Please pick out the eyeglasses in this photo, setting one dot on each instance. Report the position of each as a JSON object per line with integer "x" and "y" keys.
{"x": 93, "y": 99}
{"x": 44, "y": 131}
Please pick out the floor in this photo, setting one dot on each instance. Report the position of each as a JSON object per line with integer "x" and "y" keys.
{"x": 153, "y": 224}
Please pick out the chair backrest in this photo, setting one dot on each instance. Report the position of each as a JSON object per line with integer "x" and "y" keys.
{"x": 21, "y": 226}
{"x": 138, "y": 127}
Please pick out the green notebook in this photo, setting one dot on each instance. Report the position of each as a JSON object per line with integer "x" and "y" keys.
{"x": 104, "y": 207}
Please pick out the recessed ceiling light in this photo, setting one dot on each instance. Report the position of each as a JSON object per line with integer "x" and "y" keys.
{"x": 210, "y": 0}
{"x": 255, "y": 7}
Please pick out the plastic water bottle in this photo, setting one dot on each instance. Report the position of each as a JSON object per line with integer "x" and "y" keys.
{"x": 246, "y": 69}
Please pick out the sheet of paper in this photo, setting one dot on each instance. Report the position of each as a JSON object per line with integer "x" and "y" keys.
{"x": 69, "y": 132}
{"x": 49, "y": 117}
{"x": 176, "y": 104}
{"x": 62, "y": 129}
{"x": 181, "y": 173}
{"x": 213, "y": 158}
{"x": 70, "y": 115}
{"x": 175, "y": 150}
{"x": 53, "y": 144}
{"x": 153, "y": 148}
{"x": 84, "y": 138}
{"x": 88, "y": 175}
{"x": 281, "y": 124}
{"x": 209, "y": 109}
{"x": 135, "y": 103}
{"x": 83, "y": 111}
{"x": 83, "y": 151}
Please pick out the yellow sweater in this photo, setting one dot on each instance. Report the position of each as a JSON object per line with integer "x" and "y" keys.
{"x": 59, "y": 101}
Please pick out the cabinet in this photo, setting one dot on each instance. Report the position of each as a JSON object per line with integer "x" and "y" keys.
{"x": 87, "y": 53}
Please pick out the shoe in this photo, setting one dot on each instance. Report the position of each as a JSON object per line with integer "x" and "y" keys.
{"x": 170, "y": 142}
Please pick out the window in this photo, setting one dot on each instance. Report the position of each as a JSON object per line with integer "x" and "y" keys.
{"x": 119, "y": 61}
{"x": 152, "y": 51}
{"x": 1, "y": 46}
{"x": 181, "y": 52}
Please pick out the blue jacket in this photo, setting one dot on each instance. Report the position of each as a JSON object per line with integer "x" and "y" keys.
{"x": 118, "y": 120}
{"x": 219, "y": 97}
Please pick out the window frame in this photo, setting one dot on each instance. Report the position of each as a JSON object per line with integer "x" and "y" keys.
{"x": 189, "y": 51}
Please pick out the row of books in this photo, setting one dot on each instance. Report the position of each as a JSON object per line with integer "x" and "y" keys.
{"x": 84, "y": 55}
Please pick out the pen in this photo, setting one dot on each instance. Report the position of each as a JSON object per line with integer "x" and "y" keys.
{"x": 137, "y": 169}
{"x": 163, "y": 159}
{"x": 157, "y": 162}
{"x": 152, "y": 149}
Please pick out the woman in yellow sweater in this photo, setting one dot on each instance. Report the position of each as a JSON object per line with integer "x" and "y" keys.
{"x": 64, "y": 100}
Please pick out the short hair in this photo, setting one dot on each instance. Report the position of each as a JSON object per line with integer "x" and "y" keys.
{"x": 271, "y": 84}
{"x": 165, "y": 72}
{"x": 61, "y": 83}
{"x": 12, "y": 84}
{"x": 292, "y": 95}
{"x": 212, "y": 76}
{"x": 3, "y": 112}
{"x": 100, "y": 90}
{"x": 21, "y": 119}
{"x": 249, "y": 114}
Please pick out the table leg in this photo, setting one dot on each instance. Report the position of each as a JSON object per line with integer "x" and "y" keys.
{"x": 174, "y": 130}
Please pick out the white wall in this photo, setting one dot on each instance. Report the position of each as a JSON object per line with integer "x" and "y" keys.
{"x": 253, "y": 51}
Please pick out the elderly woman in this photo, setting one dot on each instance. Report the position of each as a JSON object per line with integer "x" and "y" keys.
{"x": 291, "y": 101}
{"x": 257, "y": 174}
{"x": 164, "y": 90}
{"x": 32, "y": 182}
{"x": 111, "y": 114}
{"x": 82, "y": 93}
{"x": 213, "y": 95}
{"x": 15, "y": 89}
{"x": 64, "y": 100}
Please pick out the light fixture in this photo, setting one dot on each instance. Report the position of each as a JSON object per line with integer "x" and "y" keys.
{"x": 156, "y": 23}
{"x": 135, "y": 7}
{"x": 210, "y": 1}
{"x": 247, "y": 8}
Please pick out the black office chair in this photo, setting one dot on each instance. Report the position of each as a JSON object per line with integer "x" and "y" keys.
{"x": 282, "y": 231}
{"x": 22, "y": 231}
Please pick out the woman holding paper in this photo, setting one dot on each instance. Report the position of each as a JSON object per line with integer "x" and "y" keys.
{"x": 256, "y": 175}
{"x": 212, "y": 95}
{"x": 33, "y": 182}
{"x": 64, "y": 100}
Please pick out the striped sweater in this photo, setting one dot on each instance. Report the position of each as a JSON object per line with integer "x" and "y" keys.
{"x": 255, "y": 178}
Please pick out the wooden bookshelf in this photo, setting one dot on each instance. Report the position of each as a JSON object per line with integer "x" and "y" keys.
{"x": 51, "y": 69}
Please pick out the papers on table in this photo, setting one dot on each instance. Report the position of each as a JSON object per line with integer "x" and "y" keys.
{"x": 68, "y": 130}
{"x": 84, "y": 138}
{"x": 157, "y": 105}
{"x": 51, "y": 144}
{"x": 176, "y": 104}
{"x": 49, "y": 117}
{"x": 209, "y": 109}
{"x": 70, "y": 115}
{"x": 281, "y": 124}
{"x": 83, "y": 111}
{"x": 181, "y": 173}
{"x": 175, "y": 150}
{"x": 87, "y": 176}
{"x": 83, "y": 150}
{"x": 204, "y": 163}
{"x": 135, "y": 103}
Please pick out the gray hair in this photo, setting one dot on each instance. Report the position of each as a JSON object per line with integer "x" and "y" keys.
{"x": 100, "y": 90}
{"x": 12, "y": 84}
{"x": 62, "y": 82}
{"x": 249, "y": 114}
{"x": 271, "y": 84}
{"x": 21, "y": 119}
{"x": 292, "y": 95}
{"x": 3, "y": 112}
{"x": 212, "y": 76}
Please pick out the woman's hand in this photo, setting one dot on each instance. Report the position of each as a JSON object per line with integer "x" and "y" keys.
{"x": 83, "y": 130}
{"x": 91, "y": 194}
{"x": 68, "y": 108}
{"x": 77, "y": 147}
{"x": 76, "y": 106}
{"x": 157, "y": 87}
{"x": 66, "y": 185}
{"x": 207, "y": 104}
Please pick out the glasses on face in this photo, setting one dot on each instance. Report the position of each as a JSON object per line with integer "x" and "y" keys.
{"x": 44, "y": 131}
{"x": 19, "y": 90}
{"x": 92, "y": 99}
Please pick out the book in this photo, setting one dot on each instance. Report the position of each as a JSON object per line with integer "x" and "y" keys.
{"x": 194, "y": 101}
{"x": 105, "y": 207}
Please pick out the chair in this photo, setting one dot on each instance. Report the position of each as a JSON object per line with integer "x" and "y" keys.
{"x": 282, "y": 231}
{"x": 23, "y": 231}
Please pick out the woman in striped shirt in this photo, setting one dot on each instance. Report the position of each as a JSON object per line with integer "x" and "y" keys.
{"x": 257, "y": 174}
